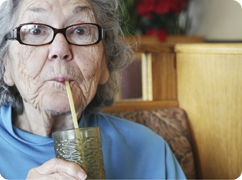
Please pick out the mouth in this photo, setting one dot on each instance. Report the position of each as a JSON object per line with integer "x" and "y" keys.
{"x": 62, "y": 80}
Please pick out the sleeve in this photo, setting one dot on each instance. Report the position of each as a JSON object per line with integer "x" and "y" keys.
{"x": 173, "y": 169}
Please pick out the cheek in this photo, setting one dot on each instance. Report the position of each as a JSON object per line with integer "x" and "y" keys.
{"x": 28, "y": 62}
{"x": 89, "y": 61}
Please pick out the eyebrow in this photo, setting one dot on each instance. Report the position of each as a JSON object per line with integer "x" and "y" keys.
{"x": 38, "y": 10}
{"x": 75, "y": 11}
{"x": 80, "y": 9}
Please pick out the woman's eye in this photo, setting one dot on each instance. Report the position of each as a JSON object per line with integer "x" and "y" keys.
{"x": 36, "y": 31}
{"x": 81, "y": 31}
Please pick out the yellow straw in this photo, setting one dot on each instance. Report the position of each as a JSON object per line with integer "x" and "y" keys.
{"x": 73, "y": 111}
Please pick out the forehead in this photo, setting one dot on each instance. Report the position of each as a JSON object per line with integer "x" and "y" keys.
{"x": 59, "y": 8}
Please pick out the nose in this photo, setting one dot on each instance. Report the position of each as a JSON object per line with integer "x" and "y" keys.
{"x": 60, "y": 49}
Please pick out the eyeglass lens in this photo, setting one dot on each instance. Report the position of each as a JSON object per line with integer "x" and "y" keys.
{"x": 37, "y": 34}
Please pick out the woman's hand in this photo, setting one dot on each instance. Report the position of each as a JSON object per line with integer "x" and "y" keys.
{"x": 57, "y": 169}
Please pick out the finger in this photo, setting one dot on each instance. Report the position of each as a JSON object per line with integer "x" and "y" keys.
{"x": 33, "y": 174}
{"x": 59, "y": 176}
{"x": 61, "y": 166}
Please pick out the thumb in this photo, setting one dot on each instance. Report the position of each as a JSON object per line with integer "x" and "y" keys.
{"x": 61, "y": 166}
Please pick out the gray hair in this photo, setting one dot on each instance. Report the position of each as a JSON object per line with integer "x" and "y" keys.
{"x": 118, "y": 53}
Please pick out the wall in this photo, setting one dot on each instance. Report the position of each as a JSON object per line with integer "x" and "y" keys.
{"x": 216, "y": 20}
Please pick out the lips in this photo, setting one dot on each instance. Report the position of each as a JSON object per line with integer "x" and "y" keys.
{"x": 62, "y": 79}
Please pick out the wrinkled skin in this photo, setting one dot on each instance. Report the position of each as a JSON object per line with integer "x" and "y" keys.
{"x": 57, "y": 169}
{"x": 39, "y": 72}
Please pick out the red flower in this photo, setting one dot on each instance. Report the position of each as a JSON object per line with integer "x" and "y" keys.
{"x": 151, "y": 32}
{"x": 156, "y": 11}
{"x": 161, "y": 34}
{"x": 178, "y": 5}
{"x": 146, "y": 7}
{"x": 163, "y": 7}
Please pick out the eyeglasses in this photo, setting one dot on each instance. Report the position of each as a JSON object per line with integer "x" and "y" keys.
{"x": 36, "y": 34}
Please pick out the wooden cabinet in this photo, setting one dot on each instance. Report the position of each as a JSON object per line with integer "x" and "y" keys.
{"x": 209, "y": 80}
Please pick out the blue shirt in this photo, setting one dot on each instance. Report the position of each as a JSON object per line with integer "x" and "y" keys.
{"x": 130, "y": 150}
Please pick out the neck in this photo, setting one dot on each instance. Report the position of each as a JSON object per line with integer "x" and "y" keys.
{"x": 42, "y": 123}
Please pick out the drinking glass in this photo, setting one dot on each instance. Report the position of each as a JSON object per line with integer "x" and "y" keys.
{"x": 82, "y": 146}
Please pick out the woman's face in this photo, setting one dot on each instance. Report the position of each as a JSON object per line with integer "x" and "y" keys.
{"x": 40, "y": 72}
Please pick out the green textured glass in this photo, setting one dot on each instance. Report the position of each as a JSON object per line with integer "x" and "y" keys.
{"x": 82, "y": 146}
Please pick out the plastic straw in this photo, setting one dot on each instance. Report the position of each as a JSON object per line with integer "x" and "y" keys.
{"x": 73, "y": 111}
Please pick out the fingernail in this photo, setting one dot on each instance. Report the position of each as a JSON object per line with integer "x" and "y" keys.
{"x": 82, "y": 175}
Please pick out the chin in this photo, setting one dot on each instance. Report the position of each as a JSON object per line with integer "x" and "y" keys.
{"x": 57, "y": 110}
{"x": 58, "y": 105}
{"x": 57, "y": 113}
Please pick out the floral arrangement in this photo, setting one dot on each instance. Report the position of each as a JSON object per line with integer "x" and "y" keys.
{"x": 162, "y": 17}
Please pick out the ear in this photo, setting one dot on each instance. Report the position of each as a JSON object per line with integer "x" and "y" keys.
{"x": 104, "y": 76}
{"x": 105, "y": 72}
{"x": 7, "y": 75}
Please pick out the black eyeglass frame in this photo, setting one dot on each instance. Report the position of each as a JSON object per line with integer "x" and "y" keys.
{"x": 15, "y": 34}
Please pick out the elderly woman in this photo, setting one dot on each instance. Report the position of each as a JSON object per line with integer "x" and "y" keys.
{"x": 44, "y": 43}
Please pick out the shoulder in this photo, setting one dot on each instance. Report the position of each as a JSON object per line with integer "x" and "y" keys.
{"x": 5, "y": 109}
{"x": 5, "y": 114}
{"x": 129, "y": 130}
